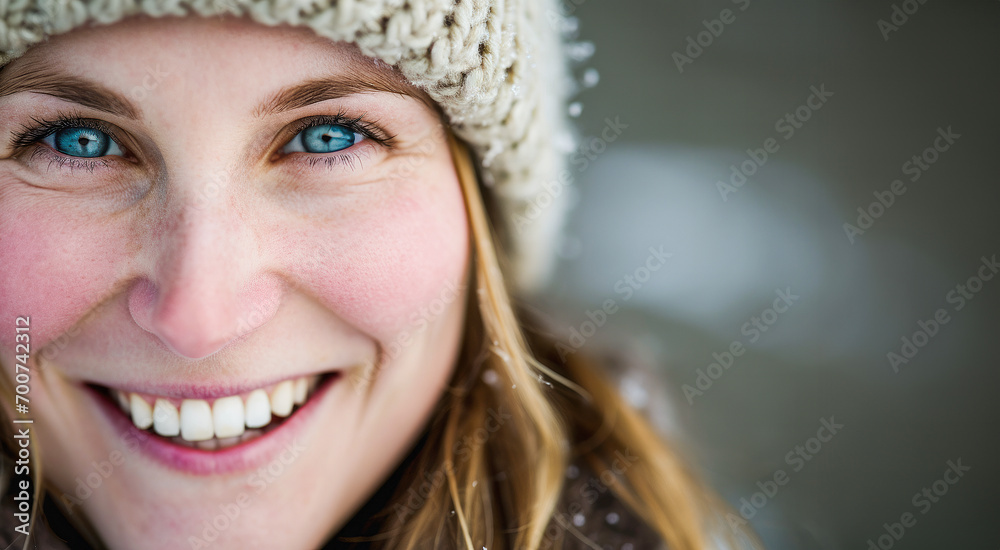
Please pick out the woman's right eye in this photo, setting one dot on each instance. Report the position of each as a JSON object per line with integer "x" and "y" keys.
{"x": 82, "y": 142}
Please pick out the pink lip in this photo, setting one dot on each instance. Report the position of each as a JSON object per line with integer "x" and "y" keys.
{"x": 202, "y": 391}
{"x": 242, "y": 457}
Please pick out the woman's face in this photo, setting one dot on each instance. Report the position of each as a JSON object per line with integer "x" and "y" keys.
{"x": 213, "y": 218}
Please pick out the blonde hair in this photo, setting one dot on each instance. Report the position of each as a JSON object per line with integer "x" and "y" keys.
{"x": 579, "y": 414}
{"x": 502, "y": 493}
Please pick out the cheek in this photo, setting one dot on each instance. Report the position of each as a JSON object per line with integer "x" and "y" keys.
{"x": 55, "y": 267}
{"x": 384, "y": 269}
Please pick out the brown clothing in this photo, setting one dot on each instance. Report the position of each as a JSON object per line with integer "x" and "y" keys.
{"x": 590, "y": 517}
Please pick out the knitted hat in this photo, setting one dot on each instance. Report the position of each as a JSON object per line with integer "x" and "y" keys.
{"x": 495, "y": 68}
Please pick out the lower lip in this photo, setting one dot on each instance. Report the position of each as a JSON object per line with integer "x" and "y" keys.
{"x": 238, "y": 458}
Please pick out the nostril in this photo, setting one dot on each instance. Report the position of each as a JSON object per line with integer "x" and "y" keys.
{"x": 141, "y": 303}
{"x": 188, "y": 326}
{"x": 188, "y": 344}
{"x": 196, "y": 316}
{"x": 193, "y": 329}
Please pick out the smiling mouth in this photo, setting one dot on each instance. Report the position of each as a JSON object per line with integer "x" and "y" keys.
{"x": 216, "y": 424}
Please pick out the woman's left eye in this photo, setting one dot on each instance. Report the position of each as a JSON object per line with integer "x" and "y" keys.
{"x": 322, "y": 138}
{"x": 82, "y": 142}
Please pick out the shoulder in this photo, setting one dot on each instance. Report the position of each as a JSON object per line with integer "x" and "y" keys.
{"x": 590, "y": 516}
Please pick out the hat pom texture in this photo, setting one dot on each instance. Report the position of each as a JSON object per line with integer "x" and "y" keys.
{"x": 496, "y": 68}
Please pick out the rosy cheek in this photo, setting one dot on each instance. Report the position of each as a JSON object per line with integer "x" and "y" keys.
{"x": 382, "y": 269}
{"x": 54, "y": 268}
{"x": 392, "y": 266}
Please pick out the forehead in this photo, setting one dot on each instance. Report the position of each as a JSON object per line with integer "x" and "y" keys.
{"x": 199, "y": 50}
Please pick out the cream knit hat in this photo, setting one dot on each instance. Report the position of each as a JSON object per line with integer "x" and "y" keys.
{"x": 495, "y": 67}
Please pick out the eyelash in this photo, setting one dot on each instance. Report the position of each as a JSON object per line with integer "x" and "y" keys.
{"x": 31, "y": 134}
{"x": 358, "y": 124}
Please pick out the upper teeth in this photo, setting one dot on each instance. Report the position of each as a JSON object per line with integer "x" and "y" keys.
{"x": 226, "y": 417}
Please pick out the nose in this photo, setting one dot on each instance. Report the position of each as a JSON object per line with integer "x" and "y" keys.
{"x": 205, "y": 285}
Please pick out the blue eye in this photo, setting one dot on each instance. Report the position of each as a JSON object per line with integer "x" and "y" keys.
{"x": 322, "y": 138}
{"x": 80, "y": 141}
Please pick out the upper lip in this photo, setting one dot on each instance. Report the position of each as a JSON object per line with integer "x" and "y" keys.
{"x": 196, "y": 390}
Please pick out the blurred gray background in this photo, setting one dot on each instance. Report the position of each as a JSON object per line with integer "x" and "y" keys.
{"x": 657, "y": 184}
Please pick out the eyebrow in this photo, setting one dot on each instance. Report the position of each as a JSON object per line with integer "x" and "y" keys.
{"x": 69, "y": 88}
{"x": 91, "y": 94}
{"x": 335, "y": 87}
